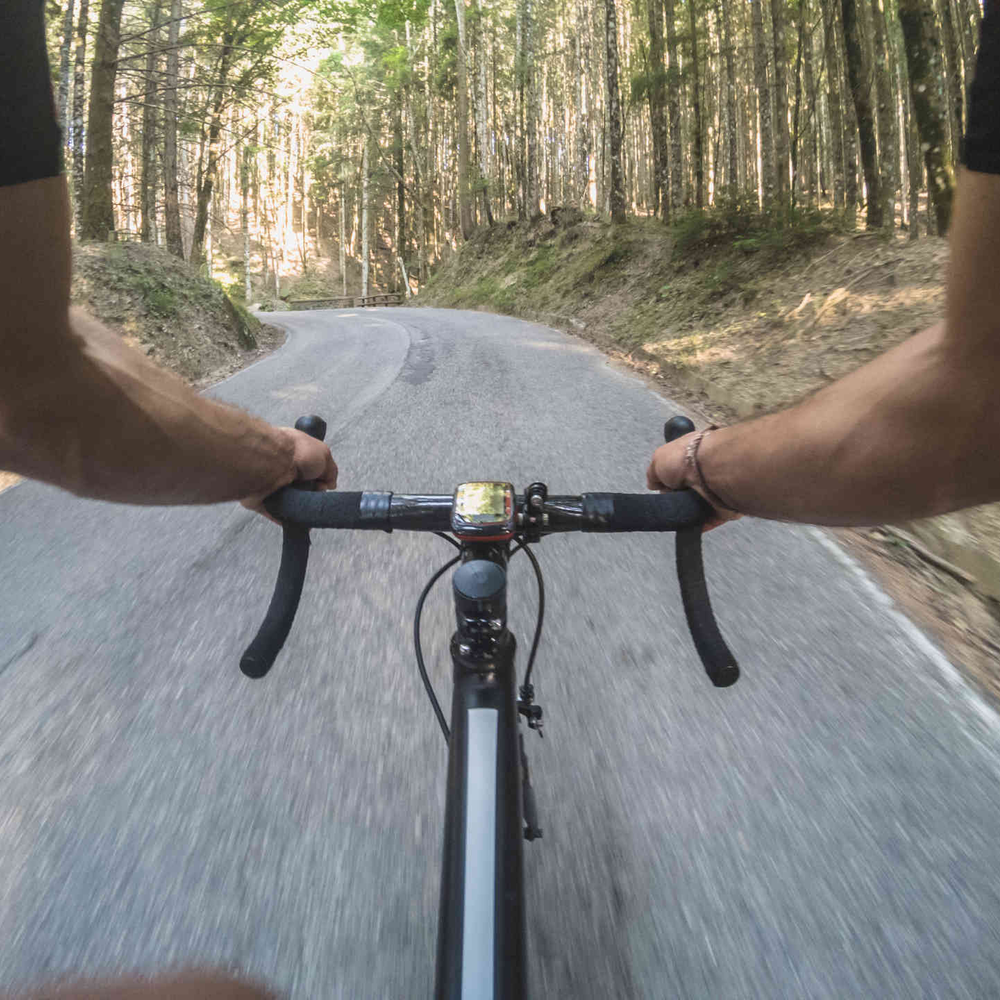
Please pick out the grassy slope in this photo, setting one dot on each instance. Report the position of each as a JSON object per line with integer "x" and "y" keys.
{"x": 757, "y": 317}
{"x": 168, "y": 311}
{"x": 161, "y": 306}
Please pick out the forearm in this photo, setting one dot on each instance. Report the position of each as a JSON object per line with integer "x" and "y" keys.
{"x": 102, "y": 421}
{"x": 911, "y": 434}
{"x": 81, "y": 410}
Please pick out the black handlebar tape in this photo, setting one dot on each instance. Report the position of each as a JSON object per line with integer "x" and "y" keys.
{"x": 330, "y": 509}
{"x": 719, "y": 662}
{"x": 312, "y": 425}
{"x": 271, "y": 636}
{"x": 676, "y": 427}
{"x": 262, "y": 652}
{"x": 716, "y": 657}
{"x": 642, "y": 511}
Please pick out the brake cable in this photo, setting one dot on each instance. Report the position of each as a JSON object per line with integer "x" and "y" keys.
{"x": 416, "y": 643}
{"x": 522, "y": 545}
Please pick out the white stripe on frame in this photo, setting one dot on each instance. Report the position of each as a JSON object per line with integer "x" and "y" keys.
{"x": 480, "y": 855}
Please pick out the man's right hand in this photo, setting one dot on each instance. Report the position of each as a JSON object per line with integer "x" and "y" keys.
{"x": 669, "y": 471}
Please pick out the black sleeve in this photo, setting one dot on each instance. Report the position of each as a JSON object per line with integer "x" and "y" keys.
{"x": 982, "y": 135}
{"x": 30, "y": 147}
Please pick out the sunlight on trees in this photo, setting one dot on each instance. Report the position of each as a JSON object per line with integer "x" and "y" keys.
{"x": 256, "y": 138}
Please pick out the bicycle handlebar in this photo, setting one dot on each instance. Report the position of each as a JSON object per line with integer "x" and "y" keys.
{"x": 271, "y": 636}
{"x": 591, "y": 512}
{"x": 682, "y": 511}
{"x": 716, "y": 658}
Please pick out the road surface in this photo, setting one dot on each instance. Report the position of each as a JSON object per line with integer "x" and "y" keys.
{"x": 828, "y": 828}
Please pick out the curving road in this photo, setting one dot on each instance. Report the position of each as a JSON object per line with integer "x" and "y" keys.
{"x": 830, "y": 827}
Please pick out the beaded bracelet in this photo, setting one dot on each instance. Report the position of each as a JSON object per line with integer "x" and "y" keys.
{"x": 691, "y": 461}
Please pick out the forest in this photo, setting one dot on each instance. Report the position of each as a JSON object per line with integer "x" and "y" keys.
{"x": 248, "y": 137}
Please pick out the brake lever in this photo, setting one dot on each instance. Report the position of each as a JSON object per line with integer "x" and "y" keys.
{"x": 263, "y": 650}
{"x": 716, "y": 657}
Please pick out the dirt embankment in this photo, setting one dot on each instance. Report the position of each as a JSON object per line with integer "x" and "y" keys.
{"x": 743, "y": 321}
{"x": 165, "y": 309}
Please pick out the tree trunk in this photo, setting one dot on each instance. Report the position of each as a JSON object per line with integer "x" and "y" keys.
{"x": 923, "y": 60}
{"x": 812, "y": 128}
{"x": 833, "y": 80}
{"x": 304, "y": 203}
{"x": 531, "y": 121}
{"x": 364, "y": 217}
{"x": 64, "y": 49}
{"x": 953, "y": 68}
{"x": 171, "y": 199}
{"x": 698, "y": 152}
{"x": 245, "y": 219}
{"x": 658, "y": 110}
{"x": 797, "y": 116}
{"x": 732, "y": 175}
{"x": 768, "y": 181}
{"x": 79, "y": 99}
{"x": 849, "y": 120}
{"x": 98, "y": 208}
{"x": 342, "y": 233}
{"x": 582, "y": 112}
{"x": 208, "y": 176}
{"x": 482, "y": 133}
{"x": 859, "y": 76}
{"x": 674, "y": 109}
{"x": 397, "y": 149}
{"x": 147, "y": 181}
{"x": 616, "y": 195}
{"x": 418, "y": 178}
{"x": 462, "y": 85}
{"x": 887, "y": 123}
{"x": 969, "y": 14}
{"x": 780, "y": 103}
{"x": 520, "y": 83}
{"x": 746, "y": 110}
{"x": 431, "y": 171}
{"x": 914, "y": 168}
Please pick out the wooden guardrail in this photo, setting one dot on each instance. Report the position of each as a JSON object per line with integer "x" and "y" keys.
{"x": 348, "y": 301}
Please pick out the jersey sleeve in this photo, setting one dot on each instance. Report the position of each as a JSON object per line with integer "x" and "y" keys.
{"x": 982, "y": 135}
{"x": 30, "y": 146}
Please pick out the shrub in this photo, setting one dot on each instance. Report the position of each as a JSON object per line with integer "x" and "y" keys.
{"x": 161, "y": 302}
{"x": 736, "y": 223}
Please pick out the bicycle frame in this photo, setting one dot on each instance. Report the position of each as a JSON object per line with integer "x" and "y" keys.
{"x": 481, "y": 929}
{"x": 490, "y": 803}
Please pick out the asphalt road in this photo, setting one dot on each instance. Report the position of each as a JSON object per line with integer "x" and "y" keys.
{"x": 830, "y": 827}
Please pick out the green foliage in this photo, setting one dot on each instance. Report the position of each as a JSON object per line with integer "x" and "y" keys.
{"x": 690, "y": 230}
{"x": 446, "y": 79}
{"x": 737, "y": 224}
{"x": 539, "y": 267}
{"x": 643, "y": 82}
{"x": 162, "y": 303}
{"x": 247, "y": 325}
{"x": 615, "y": 253}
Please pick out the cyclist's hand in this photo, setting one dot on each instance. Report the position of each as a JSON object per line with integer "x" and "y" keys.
{"x": 312, "y": 462}
{"x": 669, "y": 471}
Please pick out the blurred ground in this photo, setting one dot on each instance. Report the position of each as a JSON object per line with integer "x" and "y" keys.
{"x": 825, "y": 829}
